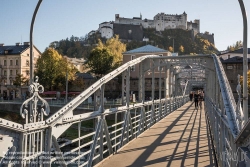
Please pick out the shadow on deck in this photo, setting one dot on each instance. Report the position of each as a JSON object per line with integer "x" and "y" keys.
{"x": 180, "y": 139}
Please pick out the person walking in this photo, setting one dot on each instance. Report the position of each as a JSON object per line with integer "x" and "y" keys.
{"x": 196, "y": 100}
{"x": 191, "y": 96}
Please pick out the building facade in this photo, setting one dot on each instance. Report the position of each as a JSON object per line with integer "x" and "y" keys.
{"x": 77, "y": 62}
{"x": 134, "y": 73}
{"x": 14, "y": 60}
{"x": 233, "y": 65}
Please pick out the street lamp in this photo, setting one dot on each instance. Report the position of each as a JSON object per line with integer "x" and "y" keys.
{"x": 245, "y": 61}
{"x": 31, "y": 42}
{"x": 169, "y": 37}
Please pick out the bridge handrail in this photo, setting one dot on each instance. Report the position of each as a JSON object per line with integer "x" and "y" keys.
{"x": 97, "y": 85}
{"x": 227, "y": 96}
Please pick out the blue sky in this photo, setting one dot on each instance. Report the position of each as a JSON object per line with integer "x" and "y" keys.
{"x": 59, "y": 19}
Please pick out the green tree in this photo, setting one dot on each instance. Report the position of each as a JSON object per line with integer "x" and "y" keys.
{"x": 52, "y": 69}
{"x": 100, "y": 61}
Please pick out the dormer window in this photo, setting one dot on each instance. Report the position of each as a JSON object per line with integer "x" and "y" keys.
{"x": 6, "y": 52}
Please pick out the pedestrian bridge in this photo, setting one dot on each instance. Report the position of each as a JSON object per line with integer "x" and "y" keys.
{"x": 165, "y": 131}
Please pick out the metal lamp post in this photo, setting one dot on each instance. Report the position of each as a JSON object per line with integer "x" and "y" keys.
{"x": 245, "y": 61}
{"x": 31, "y": 42}
{"x": 169, "y": 37}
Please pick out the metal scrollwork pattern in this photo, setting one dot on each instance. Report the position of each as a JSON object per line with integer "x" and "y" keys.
{"x": 239, "y": 112}
{"x": 31, "y": 104}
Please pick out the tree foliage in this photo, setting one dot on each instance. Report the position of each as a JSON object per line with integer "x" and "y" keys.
{"x": 52, "y": 69}
{"x": 20, "y": 80}
{"x": 115, "y": 47}
{"x": 235, "y": 46}
{"x": 100, "y": 61}
{"x": 181, "y": 49}
{"x": 184, "y": 38}
{"x": 248, "y": 82}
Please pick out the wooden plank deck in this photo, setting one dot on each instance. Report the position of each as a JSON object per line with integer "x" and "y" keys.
{"x": 180, "y": 139}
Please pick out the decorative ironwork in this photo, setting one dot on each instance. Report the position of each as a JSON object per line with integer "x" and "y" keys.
{"x": 34, "y": 115}
{"x": 239, "y": 112}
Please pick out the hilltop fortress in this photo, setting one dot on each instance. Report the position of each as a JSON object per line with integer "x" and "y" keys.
{"x": 162, "y": 21}
{"x": 132, "y": 28}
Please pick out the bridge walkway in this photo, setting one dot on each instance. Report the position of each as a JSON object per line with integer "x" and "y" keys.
{"x": 180, "y": 139}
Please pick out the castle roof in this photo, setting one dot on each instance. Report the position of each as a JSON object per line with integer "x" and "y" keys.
{"x": 146, "y": 49}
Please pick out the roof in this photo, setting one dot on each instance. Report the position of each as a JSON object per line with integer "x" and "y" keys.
{"x": 85, "y": 75}
{"x": 14, "y": 49}
{"x": 146, "y": 49}
{"x": 240, "y": 51}
{"x": 235, "y": 59}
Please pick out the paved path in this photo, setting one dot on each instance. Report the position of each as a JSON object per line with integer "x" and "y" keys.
{"x": 180, "y": 139}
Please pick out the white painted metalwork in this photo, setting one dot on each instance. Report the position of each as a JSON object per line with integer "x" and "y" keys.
{"x": 44, "y": 143}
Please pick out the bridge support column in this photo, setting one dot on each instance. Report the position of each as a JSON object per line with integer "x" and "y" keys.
{"x": 166, "y": 89}
{"x": 141, "y": 83}
{"x": 152, "y": 120}
{"x": 160, "y": 89}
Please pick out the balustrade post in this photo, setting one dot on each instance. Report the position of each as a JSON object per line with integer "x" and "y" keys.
{"x": 153, "y": 97}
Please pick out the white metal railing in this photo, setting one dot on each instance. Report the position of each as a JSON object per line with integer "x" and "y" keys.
{"x": 86, "y": 139}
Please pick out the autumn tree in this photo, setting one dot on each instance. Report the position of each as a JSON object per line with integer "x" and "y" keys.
{"x": 20, "y": 80}
{"x": 100, "y": 61}
{"x": 235, "y": 46}
{"x": 181, "y": 49}
{"x": 170, "y": 49}
{"x": 52, "y": 69}
{"x": 115, "y": 47}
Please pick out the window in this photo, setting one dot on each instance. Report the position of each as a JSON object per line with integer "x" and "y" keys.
{"x": 228, "y": 56}
{"x": 27, "y": 72}
{"x": 4, "y": 72}
{"x": 27, "y": 63}
{"x": 10, "y": 72}
{"x": 229, "y": 67}
{"x": 16, "y": 62}
{"x": 5, "y": 63}
{"x": 11, "y": 62}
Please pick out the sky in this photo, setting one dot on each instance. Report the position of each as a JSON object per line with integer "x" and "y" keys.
{"x": 59, "y": 19}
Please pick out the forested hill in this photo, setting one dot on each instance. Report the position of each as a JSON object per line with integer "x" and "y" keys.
{"x": 184, "y": 43}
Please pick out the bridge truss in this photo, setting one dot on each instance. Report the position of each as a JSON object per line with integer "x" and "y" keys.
{"x": 43, "y": 139}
